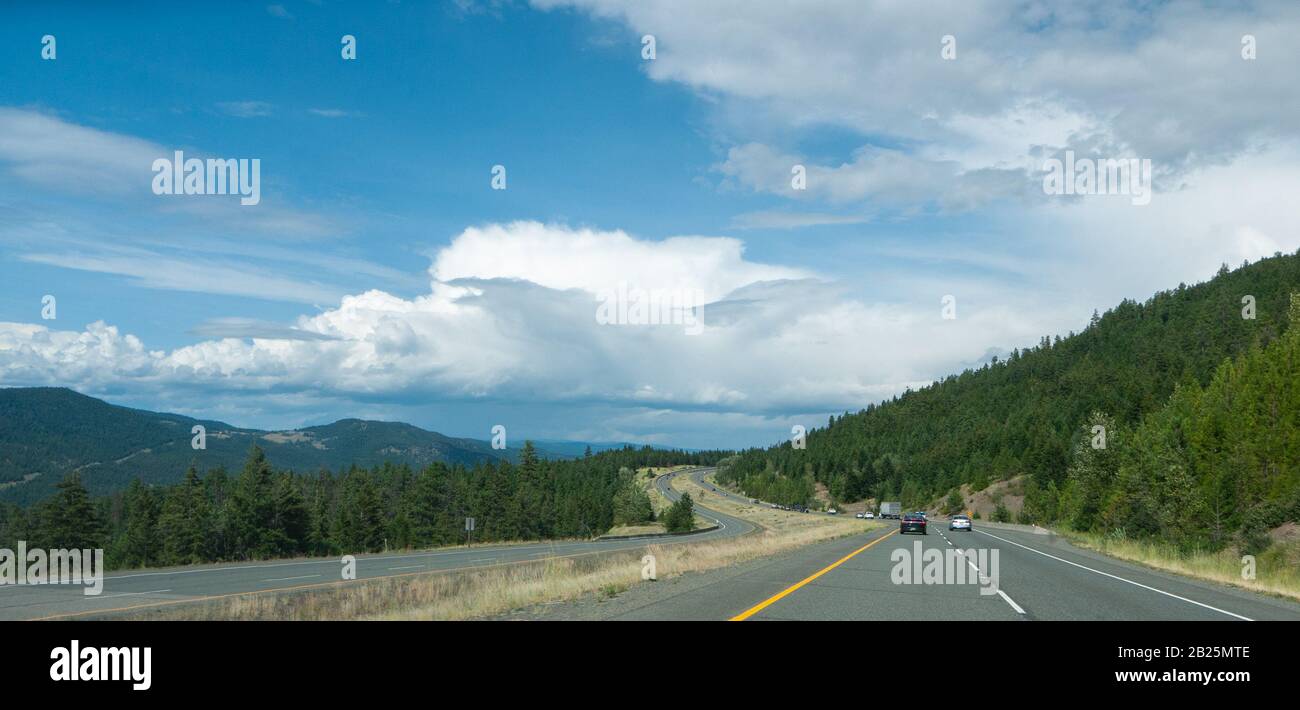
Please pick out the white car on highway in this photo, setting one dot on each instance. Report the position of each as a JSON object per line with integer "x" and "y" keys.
{"x": 959, "y": 522}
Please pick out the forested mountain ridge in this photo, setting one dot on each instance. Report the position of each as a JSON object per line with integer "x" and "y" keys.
{"x": 47, "y": 432}
{"x": 263, "y": 513}
{"x": 1031, "y": 413}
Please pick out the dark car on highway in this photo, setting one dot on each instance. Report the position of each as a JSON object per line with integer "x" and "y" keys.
{"x": 912, "y": 522}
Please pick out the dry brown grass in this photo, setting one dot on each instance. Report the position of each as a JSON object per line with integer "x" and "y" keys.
{"x": 627, "y": 530}
{"x": 495, "y": 590}
{"x": 491, "y": 591}
{"x": 777, "y": 521}
{"x": 1276, "y": 571}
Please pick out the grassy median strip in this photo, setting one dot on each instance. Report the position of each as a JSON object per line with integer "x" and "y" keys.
{"x": 490, "y": 591}
{"x": 774, "y": 521}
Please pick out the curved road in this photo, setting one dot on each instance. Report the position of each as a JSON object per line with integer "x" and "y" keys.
{"x": 726, "y": 523}
{"x": 138, "y": 589}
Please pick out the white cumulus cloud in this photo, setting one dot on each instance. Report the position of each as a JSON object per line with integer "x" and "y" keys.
{"x": 511, "y": 316}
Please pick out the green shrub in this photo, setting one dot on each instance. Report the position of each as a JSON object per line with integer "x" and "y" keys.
{"x": 680, "y": 516}
{"x": 1001, "y": 514}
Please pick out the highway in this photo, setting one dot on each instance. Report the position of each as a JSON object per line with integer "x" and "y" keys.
{"x": 1040, "y": 577}
{"x": 139, "y": 589}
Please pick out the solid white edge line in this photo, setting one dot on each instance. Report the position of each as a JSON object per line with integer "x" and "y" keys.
{"x": 1129, "y": 581}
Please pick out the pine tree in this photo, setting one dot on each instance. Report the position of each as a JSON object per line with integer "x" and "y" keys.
{"x": 184, "y": 521}
{"x": 428, "y": 503}
{"x": 139, "y": 543}
{"x": 287, "y": 530}
{"x": 536, "y": 496}
{"x": 359, "y": 526}
{"x": 221, "y": 540}
{"x": 252, "y": 508}
{"x": 318, "y": 536}
{"x": 69, "y": 520}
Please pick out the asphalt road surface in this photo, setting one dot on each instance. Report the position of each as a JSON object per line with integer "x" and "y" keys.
{"x": 138, "y": 589}
{"x": 1039, "y": 577}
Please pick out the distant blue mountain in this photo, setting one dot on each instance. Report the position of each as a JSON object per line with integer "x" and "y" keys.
{"x": 46, "y": 432}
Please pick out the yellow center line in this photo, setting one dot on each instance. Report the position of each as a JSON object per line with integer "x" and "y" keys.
{"x": 791, "y": 589}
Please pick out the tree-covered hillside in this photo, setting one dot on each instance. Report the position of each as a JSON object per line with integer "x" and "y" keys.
{"x": 263, "y": 513}
{"x": 46, "y": 433}
{"x": 1027, "y": 414}
{"x": 50, "y": 430}
{"x": 1213, "y": 461}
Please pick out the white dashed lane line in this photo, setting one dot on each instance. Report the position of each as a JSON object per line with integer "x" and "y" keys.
{"x": 286, "y": 579}
{"x": 1018, "y": 609}
{"x": 134, "y": 594}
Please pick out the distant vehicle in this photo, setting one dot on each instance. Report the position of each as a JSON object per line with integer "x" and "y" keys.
{"x": 912, "y": 523}
{"x": 755, "y": 501}
{"x": 890, "y": 509}
{"x": 774, "y": 506}
{"x": 869, "y": 515}
{"x": 860, "y": 515}
{"x": 922, "y": 514}
{"x": 832, "y": 511}
{"x": 959, "y": 522}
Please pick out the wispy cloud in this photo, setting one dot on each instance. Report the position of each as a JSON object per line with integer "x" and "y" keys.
{"x": 45, "y": 150}
{"x": 331, "y": 112}
{"x": 776, "y": 219}
{"x": 179, "y": 273}
{"x": 234, "y": 327}
{"x": 60, "y": 158}
{"x": 245, "y": 109}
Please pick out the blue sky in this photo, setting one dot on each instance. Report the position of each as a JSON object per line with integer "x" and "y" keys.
{"x": 435, "y": 100}
{"x": 382, "y": 277}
